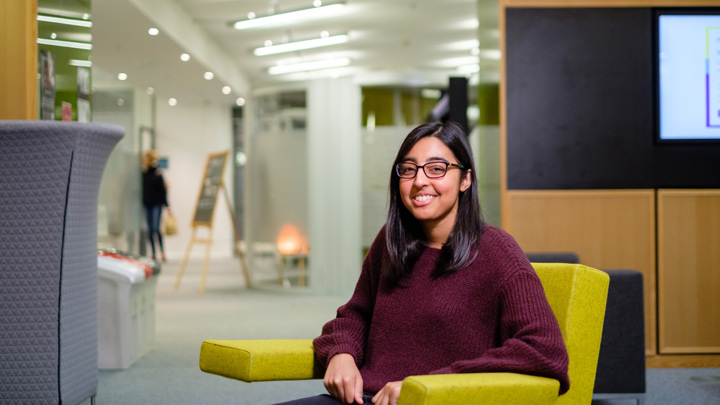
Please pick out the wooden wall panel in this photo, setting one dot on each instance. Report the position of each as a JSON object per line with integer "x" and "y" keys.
{"x": 608, "y": 229}
{"x": 18, "y": 60}
{"x": 689, "y": 271}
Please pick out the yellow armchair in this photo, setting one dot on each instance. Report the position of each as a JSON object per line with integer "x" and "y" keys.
{"x": 576, "y": 293}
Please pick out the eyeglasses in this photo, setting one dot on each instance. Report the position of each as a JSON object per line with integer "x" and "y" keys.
{"x": 433, "y": 170}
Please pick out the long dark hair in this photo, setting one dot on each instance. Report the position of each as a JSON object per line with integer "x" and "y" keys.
{"x": 405, "y": 238}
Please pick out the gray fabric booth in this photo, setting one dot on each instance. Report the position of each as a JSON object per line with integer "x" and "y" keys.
{"x": 50, "y": 175}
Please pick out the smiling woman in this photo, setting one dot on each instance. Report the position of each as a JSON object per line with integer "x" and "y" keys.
{"x": 439, "y": 292}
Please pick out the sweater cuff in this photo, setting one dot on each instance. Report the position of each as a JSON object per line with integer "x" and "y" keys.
{"x": 342, "y": 349}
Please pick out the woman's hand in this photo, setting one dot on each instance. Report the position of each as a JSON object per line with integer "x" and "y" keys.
{"x": 343, "y": 380}
{"x": 389, "y": 394}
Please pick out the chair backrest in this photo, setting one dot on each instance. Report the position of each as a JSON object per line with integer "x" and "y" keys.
{"x": 577, "y": 295}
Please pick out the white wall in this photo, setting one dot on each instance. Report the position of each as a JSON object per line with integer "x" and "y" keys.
{"x": 185, "y": 135}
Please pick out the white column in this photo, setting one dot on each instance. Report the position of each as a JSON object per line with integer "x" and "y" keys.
{"x": 334, "y": 185}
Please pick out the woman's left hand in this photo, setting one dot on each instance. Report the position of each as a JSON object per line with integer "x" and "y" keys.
{"x": 389, "y": 394}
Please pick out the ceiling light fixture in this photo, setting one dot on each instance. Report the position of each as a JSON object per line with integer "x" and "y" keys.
{"x": 185, "y": 57}
{"x": 65, "y": 44}
{"x": 208, "y": 75}
{"x": 79, "y": 63}
{"x": 490, "y": 54}
{"x": 307, "y": 66}
{"x": 226, "y": 90}
{"x": 299, "y": 45}
{"x": 319, "y": 10}
{"x": 153, "y": 31}
{"x": 468, "y": 68}
{"x": 65, "y": 21}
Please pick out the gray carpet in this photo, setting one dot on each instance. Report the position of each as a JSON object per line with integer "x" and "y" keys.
{"x": 169, "y": 373}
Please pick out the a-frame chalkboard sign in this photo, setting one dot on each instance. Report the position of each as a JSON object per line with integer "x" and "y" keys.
{"x": 212, "y": 184}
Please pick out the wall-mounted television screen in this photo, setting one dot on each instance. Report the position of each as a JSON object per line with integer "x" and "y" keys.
{"x": 688, "y": 74}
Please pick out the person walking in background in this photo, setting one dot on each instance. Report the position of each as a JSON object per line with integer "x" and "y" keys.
{"x": 154, "y": 197}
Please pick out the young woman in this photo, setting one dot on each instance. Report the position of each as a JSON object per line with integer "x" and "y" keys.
{"x": 440, "y": 292}
{"x": 154, "y": 195}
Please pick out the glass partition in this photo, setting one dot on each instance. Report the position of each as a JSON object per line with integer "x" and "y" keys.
{"x": 277, "y": 184}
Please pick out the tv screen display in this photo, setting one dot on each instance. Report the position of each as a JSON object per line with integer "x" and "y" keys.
{"x": 688, "y": 74}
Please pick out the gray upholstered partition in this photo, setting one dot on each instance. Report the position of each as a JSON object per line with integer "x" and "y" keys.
{"x": 49, "y": 180}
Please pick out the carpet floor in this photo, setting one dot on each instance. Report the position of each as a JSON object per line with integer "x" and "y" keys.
{"x": 169, "y": 372}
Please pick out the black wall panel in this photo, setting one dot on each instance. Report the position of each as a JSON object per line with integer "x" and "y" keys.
{"x": 580, "y": 104}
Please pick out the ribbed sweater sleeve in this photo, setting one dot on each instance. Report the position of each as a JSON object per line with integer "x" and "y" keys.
{"x": 531, "y": 343}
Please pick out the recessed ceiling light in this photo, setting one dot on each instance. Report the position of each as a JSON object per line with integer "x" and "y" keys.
{"x": 289, "y": 17}
{"x": 53, "y": 36}
{"x": 153, "y": 31}
{"x": 172, "y": 102}
{"x": 185, "y": 57}
{"x": 490, "y": 54}
{"x": 226, "y": 90}
{"x": 64, "y": 21}
{"x": 150, "y": 90}
{"x": 468, "y": 68}
{"x": 240, "y": 101}
{"x": 65, "y": 44}
{"x": 80, "y": 63}
{"x": 122, "y": 76}
{"x": 307, "y": 66}
{"x": 208, "y": 75}
{"x": 251, "y": 15}
{"x": 120, "y": 102}
{"x": 324, "y": 34}
{"x": 299, "y": 45}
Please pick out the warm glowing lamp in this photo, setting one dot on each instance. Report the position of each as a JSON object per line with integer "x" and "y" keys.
{"x": 289, "y": 240}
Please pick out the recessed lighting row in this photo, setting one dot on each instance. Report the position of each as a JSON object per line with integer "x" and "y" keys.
{"x": 185, "y": 57}
{"x": 172, "y": 101}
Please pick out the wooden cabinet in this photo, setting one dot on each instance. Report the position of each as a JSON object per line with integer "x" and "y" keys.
{"x": 608, "y": 229}
{"x": 689, "y": 271}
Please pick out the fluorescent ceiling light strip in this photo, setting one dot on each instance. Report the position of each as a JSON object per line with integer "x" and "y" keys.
{"x": 65, "y": 44}
{"x": 306, "y": 66}
{"x": 285, "y": 17}
{"x": 80, "y": 63}
{"x": 299, "y": 45}
{"x": 66, "y": 21}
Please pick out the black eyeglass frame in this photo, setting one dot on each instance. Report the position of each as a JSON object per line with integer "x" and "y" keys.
{"x": 418, "y": 167}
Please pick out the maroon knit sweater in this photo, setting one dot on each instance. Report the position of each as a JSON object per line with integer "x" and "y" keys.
{"x": 491, "y": 316}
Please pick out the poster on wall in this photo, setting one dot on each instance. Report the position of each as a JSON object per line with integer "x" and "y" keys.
{"x": 47, "y": 85}
{"x": 66, "y": 111}
{"x": 83, "y": 94}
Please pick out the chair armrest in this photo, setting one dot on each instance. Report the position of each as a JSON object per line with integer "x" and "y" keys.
{"x": 260, "y": 360}
{"x": 475, "y": 388}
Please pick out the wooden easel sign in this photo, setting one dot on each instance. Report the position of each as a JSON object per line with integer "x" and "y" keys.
{"x": 212, "y": 183}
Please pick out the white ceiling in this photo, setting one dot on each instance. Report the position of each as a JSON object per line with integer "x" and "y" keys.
{"x": 392, "y": 43}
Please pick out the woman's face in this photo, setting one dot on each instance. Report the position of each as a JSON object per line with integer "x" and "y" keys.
{"x": 433, "y": 202}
